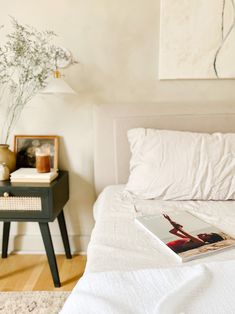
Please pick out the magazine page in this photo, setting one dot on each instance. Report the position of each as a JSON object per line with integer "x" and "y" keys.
{"x": 186, "y": 235}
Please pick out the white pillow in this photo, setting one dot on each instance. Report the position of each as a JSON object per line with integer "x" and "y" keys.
{"x": 175, "y": 165}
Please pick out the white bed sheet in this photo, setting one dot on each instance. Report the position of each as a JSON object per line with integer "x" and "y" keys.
{"x": 118, "y": 243}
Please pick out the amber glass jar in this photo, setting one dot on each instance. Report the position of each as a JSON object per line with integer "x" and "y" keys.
{"x": 43, "y": 163}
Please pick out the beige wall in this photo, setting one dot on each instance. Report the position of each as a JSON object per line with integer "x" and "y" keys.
{"x": 116, "y": 43}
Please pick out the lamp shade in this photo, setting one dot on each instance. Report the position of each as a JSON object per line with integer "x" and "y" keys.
{"x": 57, "y": 85}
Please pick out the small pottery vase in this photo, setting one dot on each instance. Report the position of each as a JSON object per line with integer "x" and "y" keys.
{"x": 4, "y": 172}
{"x": 7, "y": 157}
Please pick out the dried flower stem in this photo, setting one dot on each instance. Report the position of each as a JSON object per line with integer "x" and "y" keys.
{"x": 26, "y": 61}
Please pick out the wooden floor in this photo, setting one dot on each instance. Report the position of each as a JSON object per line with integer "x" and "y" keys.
{"x": 31, "y": 272}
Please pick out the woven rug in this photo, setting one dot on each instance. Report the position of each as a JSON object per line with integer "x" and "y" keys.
{"x": 38, "y": 302}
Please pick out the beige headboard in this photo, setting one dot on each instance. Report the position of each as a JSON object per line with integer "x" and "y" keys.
{"x": 111, "y": 122}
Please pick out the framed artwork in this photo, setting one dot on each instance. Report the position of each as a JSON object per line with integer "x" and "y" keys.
{"x": 197, "y": 39}
{"x": 25, "y": 147}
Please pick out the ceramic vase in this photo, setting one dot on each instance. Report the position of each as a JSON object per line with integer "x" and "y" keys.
{"x": 7, "y": 157}
{"x": 4, "y": 172}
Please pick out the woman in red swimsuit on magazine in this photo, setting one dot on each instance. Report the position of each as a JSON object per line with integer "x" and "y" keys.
{"x": 188, "y": 241}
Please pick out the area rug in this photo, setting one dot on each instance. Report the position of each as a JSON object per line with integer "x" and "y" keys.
{"x": 38, "y": 302}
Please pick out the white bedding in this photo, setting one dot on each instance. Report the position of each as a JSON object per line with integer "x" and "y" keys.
{"x": 128, "y": 271}
{"x": 129, "y": 247}
{"x": 200, "y": 289}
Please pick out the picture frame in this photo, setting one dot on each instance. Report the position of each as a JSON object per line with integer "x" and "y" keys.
{"x": 25, "y": 149}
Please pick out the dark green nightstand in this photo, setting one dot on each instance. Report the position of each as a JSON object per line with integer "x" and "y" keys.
{"x": 40, "y": 203}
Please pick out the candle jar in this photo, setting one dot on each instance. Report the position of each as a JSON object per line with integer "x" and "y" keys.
{"x": 43, "y": 163}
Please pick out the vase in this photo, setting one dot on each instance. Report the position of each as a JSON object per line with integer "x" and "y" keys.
{"x": 7, "y": 157}
{"x": 4, "y": 172}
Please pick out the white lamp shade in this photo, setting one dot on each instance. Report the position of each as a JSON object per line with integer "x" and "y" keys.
{"x": 58, "y": 86}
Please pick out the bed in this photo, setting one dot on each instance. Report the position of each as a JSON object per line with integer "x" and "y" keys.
{"x": 127, "y": 270}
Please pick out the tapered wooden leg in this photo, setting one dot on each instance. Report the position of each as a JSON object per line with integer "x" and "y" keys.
{"x": 64, "y": 234}
{"x": 46, "y": 236}
{"x": 5, "y": 238}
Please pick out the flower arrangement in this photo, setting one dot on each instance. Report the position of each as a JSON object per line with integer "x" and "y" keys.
{"x": 27, "y": 59}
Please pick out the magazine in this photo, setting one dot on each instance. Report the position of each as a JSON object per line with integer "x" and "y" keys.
{"x": 184, "y": 235}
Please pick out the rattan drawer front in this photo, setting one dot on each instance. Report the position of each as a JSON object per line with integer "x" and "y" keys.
{"x": 21, "y": 203}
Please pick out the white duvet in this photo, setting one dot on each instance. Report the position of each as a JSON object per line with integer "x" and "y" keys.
{"x": 206, "y": 288}
{"x": 128, "y": 247}
{"x": 129, "y": 272}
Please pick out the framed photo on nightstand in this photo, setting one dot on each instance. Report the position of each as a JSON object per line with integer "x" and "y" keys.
{"x": 25, "y": 147}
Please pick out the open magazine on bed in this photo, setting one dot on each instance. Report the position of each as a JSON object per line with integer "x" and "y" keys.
{"x": 186, "y": 236}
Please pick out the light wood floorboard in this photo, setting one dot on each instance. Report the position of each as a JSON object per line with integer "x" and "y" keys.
{"x": 31, "y": 272}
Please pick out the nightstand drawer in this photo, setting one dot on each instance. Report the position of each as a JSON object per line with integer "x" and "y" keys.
{"x": 21, "y": 203}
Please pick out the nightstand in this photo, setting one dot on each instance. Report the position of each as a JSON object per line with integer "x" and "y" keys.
{"x": 36, "y": 202}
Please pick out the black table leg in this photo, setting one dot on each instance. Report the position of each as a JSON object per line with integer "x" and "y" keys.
{"x": 64, "y": 234}
{"x": 5, "y": 238}
{"x": 46, "y": 236}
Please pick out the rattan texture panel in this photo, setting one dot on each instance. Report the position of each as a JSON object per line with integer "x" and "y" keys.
{"x": 21, "y": 203}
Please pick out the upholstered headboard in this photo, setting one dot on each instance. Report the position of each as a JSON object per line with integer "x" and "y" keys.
{"x": 111, "y": 122}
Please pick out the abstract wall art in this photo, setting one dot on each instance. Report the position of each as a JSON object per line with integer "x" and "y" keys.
{"x": 197, "y": 39}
